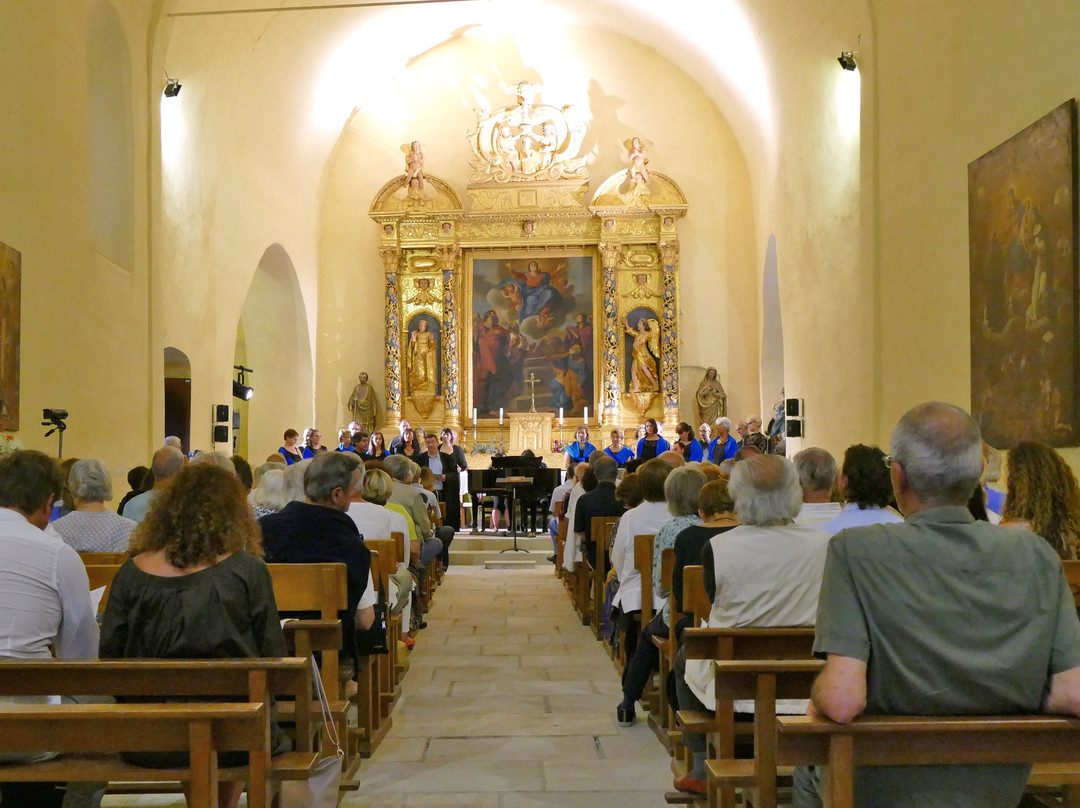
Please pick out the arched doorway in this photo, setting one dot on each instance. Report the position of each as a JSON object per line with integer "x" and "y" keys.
{"x": 177, "y": 397}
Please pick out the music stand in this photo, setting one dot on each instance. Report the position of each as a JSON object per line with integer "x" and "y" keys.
{"x": 513, "y": 483}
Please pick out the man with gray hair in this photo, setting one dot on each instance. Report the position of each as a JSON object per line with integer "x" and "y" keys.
{"x": 941, "y": 615}
{"x": 724, "y": 446}
{"x": 765, "y": 572}
{"x": 598, "y": 502}
{"x": 167, "y": 463}
{"x": 320, "y": 530}
{"x": 817, "y": 474}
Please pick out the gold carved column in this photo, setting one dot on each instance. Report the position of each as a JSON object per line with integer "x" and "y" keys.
{"x": 449, "y": 258}
{"x": 610, "y": 253}
{"x": 392, "y": 264}
{"x": 669, "y": 341}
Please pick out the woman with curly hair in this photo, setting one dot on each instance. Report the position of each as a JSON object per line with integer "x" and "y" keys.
{"x": 1042, "y": 496}
{"x": 195, "y": 587}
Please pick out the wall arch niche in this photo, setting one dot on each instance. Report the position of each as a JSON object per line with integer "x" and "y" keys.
{"x": 178, "y": 396}
{"x": 272, "y": 339}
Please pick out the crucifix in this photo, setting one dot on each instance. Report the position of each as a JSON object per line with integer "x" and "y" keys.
{"x": 531, "y": 381}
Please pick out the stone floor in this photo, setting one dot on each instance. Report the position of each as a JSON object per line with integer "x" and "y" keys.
{"x": 509, "y": 702}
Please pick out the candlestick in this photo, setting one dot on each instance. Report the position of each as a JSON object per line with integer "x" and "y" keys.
{"x": 500, "y": 416}
{"x": 560, "y": 416}
{"x": 586, "y": 416}
{"x": 474, "y": 416}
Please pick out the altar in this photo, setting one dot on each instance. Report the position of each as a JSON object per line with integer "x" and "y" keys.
{"x": 533, "y": 300}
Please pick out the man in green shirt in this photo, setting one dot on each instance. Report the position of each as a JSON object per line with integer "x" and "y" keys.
{"x": 941, "y": 615}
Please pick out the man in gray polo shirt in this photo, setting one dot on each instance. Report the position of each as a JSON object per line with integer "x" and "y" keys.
{"x": 941, "y": 615}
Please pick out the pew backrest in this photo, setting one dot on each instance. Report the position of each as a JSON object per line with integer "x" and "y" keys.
{"x": 643, "y": 557}
{"x": 695, "y": 601}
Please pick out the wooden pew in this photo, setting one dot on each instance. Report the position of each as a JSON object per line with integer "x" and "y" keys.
{"x": 764, "y": 681}
{"x": 255, "y": 680}
{"x": 103, "y": 558}
{"x": 664, "y": 721}
{"x": 917, "y": 740}
{"x": 1072, "y": 575}
{"x": 101, "y": 575}
{"x": 643, "y": 559}
{"x": 200, "y": 729}
{"x": 382, "y": 679}
{"x": 600, "y": 531}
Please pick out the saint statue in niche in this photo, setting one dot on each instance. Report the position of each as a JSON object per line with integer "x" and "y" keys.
{"x": 711, "y": 399}
{"x": 422, "y": 359}
{"x": 363, "y": 404}
{"x": 644, "y": 375}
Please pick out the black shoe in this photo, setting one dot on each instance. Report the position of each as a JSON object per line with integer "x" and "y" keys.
{"x": 422, "y": 624}
{"x": 551, "y": 559}
{"x": 625, "y": 716}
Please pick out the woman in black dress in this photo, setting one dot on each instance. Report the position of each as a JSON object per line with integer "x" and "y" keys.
{"x": 195, "y": 588}
{"x": 454, "y": 463}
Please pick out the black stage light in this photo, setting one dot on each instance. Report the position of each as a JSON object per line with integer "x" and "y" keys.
{"x": 242, "y": 391}
{"x": 172, "y": 88}
{"x": 846, "y": 60}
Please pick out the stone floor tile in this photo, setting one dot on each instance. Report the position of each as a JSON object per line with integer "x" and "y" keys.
{"x": 451, "y": 776}
{"x": 540, "y": 748}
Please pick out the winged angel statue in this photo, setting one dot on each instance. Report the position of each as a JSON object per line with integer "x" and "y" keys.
{"x": 527, "y": 142}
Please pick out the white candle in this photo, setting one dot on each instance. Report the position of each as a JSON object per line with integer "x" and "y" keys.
{"x": 560, "y": 417}
{"x": 500, "y": 415}
{"x": 586, "y": 416}
{"x": 474, "y": 415}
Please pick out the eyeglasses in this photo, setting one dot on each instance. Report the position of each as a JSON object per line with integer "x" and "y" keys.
{"x": 887, "y": 460}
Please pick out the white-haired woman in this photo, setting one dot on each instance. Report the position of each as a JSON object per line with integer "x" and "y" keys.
{"x": 270, "y": 495}
{"x": 91, "y": 527}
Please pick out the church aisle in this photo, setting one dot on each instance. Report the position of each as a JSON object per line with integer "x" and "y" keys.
{"x": 509, "y": 703}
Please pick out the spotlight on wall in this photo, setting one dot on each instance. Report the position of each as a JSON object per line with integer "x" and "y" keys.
{"x": 846, "y": 60}
{"x": 172, "y": 88}
{"x": 239, "y": 389}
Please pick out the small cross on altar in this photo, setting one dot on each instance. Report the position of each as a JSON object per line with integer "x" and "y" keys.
{"x": 531, "y": 381}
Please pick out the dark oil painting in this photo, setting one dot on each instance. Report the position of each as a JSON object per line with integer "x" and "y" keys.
{"x": 1022, "y": 230}
{"x": 10, "y": 319}
{"x": 532, "y": 316}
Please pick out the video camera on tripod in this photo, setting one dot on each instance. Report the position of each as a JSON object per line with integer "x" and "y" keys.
{"x": 55, "y": 419}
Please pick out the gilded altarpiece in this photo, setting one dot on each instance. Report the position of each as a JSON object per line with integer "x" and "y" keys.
{"x": 586, "y": 292}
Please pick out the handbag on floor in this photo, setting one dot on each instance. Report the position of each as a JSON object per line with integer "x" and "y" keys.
{"x": 373, "y": 640}
{"x": 321, "y": 789}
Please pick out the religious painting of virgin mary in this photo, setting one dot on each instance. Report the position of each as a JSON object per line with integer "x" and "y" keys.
{"x": 1022, "y": 242}
{"x": 532, "y": 315}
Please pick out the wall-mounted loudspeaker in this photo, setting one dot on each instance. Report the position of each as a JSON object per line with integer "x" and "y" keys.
{"x": 221, "y": 413}
{"x": 794, "y": 428}
{"x": 221, "y": 433}
{"x": 793, "y": 408}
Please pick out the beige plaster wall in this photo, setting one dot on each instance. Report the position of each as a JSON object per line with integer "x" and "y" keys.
{"x": 433, "y": 99}
{"x": 951, "y": 86}
{"x": 85, "y": 320}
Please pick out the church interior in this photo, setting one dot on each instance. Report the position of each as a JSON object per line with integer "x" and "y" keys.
{"x": 166, "y": 238}
{"x": 824, "y": 249}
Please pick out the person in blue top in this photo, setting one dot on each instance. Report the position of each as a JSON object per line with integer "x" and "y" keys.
{"x": 724, "y": 445}
{"x": 616, "y": 451}
{"x": 687, "y": 443}
{"x": 289, "y": 450}
{"x": 580, "y": 449}
{"x": 652, "y": 445}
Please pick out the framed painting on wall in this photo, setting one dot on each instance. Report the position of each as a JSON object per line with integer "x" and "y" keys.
{"x": 532, "y": 316}
{"x": 10, "y": 323}
{"x": 1023, "y": 286}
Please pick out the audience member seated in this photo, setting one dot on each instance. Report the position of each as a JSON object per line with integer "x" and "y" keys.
{"x": 374, "y": 521}
{"x": 242, "y": 470}
{"x": 817, "y": 476}
{"x": 673, "y": 457}
{"x": 754, "y": 436}
{"x": 289, "y": 450}
{"x": 402, "y": 471}
{"x": 647, "y": 518}
{"x": 166, "y": 464}
{"x": 44, "y": 596}
{"x": 580, "y": 449}
{"x": 270, "y": 495}
{"x": 570, "y": 547}
{"x": 765, "y": 572}
{"x": 319, "y": 530}
{"x": 1041, "y": 495}
{"x": 360, "y": 443}
{"x": 618, "y": 452}
{"x": 652, "y": 445}
{"x": 687, "y": 443}
{"x": 195, "y": 588}
{"x": 601, "y": 501}
{"x": 139, "y": 480}
{"x": 865, "y": 489}
{"x": 91, "y": 528}
{"x": 66, "y": 504}
{"x": 558, "y": 498}
{"x": 681, "y": 490}
{"x": 941, "y": 615}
